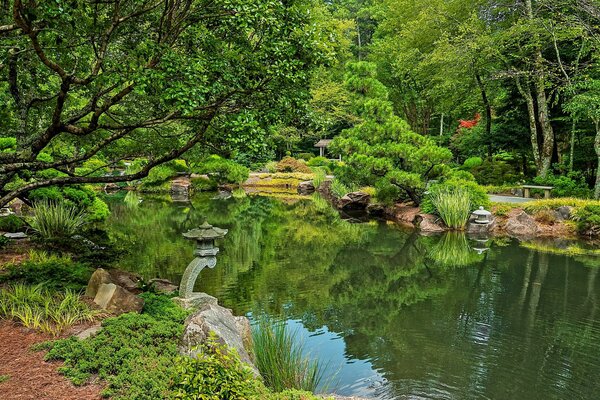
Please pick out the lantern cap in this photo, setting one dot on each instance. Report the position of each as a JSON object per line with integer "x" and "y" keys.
{"x": 482, "y": 212}
{"x": 205, "y": 232}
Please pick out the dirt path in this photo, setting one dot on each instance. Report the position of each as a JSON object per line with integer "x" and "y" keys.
{"x": 29, "y": 376}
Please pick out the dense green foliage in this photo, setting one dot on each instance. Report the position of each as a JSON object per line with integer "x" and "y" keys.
{"x": 134, "y": 353}
{"x": 39, "y": 308}
{"x": 148, "y": 80}
{"x": 290, "y": 164}
{"x": 382, "y": 150}
{"x": 11, "y": 223}
{"x": 221, "y": 170}
{"x": 51, "y": 271}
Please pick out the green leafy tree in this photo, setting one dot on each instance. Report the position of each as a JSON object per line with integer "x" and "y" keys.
{"x": 382, "y": 150}
{"x": 149, "y": 78}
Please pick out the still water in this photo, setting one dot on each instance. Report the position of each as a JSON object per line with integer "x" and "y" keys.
{"x": 393, "y": 315}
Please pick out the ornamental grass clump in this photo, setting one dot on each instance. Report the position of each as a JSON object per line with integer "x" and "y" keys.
{"x": 44, "y": 310}
{"x": 56, "y": 220}
{"x": 281, "y": 359}
{"x": 453, "y": 205}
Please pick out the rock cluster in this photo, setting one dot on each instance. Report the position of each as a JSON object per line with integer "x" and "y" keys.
{"x": 115, "y": 291}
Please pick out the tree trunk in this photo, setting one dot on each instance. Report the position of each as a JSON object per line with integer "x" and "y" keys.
{"x": 597, "y": 148}
{"x": 572, "y": 146}
{"x": 533, "y": 133}
{"x": 543, "y": 114}
{"x": 488, "y": 114}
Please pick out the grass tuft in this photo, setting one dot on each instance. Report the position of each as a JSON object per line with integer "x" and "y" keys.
{"x": 38, "y": 308}
{"x": 56, "y": 220}
{"x": 453, "y": 205}
{"x": 281, "y": 359}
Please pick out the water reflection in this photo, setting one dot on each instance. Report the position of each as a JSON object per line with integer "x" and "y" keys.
{"x": 406, "y": 316}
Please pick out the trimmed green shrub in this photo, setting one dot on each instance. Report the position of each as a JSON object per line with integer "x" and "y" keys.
{"x": 222, "y": 171}
{"x": 203, "y": 185}
{"x": 271, "y": 167}
{"x": 290, "y": 164}
{"x": 4, "y": 241}
{"x": 133, "y": 353}
{"x": 8, "y": 144}
{"x": 81, "y": 197}
{"x": 472, "y": 162}
{"x": 216, "y": 373}
{"x": 53, "y": 272}
{"x": 496, "y": 173}
{"x": 571, "y": 185}
{"x": 305, "y": 156}
{"x": 11, "y": 223}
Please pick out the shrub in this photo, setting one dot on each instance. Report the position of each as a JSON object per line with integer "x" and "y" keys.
{"x": 458, "y": 174}
{"x": 97, "y": 211}
{"x": 133, "y": 353}
{"x": 271, "y": 167}
{"x": 202, "y": 184}
{"x": 318, "y": 162}
{"x": 8, "y": 144}
{"x": 46, "y": 194}
{"x": 588, "y": 219}
{"x": 452, "y": 204}
{"x": 53, "y": 272}
{"x": 38, "y": 308}
{"x": 472, "y": 162}
{"x": 281, "y": 360}
{"x": 495, "y": 173}
{"x": 571, "y": 185}
{"x": 4, "y": 241}
{"x": 159, "y": 174}
{"x": 290, "y": 164}
{"x": 305, "y": 156}
{"x": 81, "y": 197}
{"x": 93, "y": 167}
{"x": 216, "y": 372}
{"x": 11, "y": 223}
{"x": 56, "y": 220}
{"x": 221, "y": 170}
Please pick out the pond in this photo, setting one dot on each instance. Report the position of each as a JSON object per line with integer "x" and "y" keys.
{"x": 392, "y": 314}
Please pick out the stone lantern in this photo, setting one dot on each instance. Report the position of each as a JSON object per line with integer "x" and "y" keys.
{"x": 205, "y": 256}
{"x": 482, "y": 216}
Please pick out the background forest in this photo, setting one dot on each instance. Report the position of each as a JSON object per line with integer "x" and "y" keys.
{"x": 497, "y": 92}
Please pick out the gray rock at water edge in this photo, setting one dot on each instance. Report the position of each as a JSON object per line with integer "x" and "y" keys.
{"x": 521, "y": 225}
{"x": 16, "y": 235}
{"x": 229, "y": 330}
{"x": 117, "y": 300}
{"x": 428, "y": 223}
{"x": 564, "y": 213}
{"x": 111, "y": 187}
{"x": 195, "y": 301}
{"x": 163, "y": 286}
{"x": 376, "y": 210}
{"x": 306, "y": 187}
{"x": 480, "y": 229}
{"x": 355, "y": 200}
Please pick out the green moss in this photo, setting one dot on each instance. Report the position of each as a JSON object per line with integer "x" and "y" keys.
{"x": 11, "y": 223}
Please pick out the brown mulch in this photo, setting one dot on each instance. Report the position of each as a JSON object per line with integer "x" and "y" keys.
{"x": 30, "y": 377}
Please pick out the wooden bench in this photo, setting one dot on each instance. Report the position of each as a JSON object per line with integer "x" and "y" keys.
{"x": 546, "y": 189}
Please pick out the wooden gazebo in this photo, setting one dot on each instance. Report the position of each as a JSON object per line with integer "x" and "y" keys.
{"x": 322, "y": 145}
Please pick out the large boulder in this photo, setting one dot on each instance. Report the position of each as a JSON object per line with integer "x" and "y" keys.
{"x": 220, "y": 323}
{"x": 99, "y": 277}
{"x": 354, "y": 201}
{"x": 521, "y": 224}
{"x": 117, "y": 300}
{"x": 127, "y": 280}
{"x": 428, "y": 223}
{"x": 306, "y": 187}
{"x": 164, "y": 286}
{"x": 195, "y": 301}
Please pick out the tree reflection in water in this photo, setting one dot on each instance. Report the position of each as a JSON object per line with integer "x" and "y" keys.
{"x": 436, "y": 318}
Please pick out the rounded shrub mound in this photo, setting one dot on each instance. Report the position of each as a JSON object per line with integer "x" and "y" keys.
{"x": 290, "y": 164}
